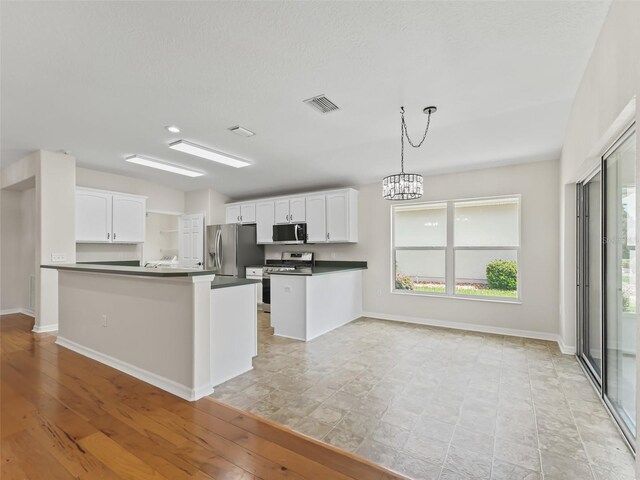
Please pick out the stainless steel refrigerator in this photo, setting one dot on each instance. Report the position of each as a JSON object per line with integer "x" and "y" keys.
{"x": 231, "y": 248}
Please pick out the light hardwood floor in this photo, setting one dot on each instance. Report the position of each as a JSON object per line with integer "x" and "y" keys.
{"x": 65, "y": 416}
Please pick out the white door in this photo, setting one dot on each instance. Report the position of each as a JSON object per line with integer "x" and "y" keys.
{"x": 338, "y": 217}
{"x": 282, "y": 211}
{"x": 248, "y": 213}
{"x": 232, "y": 214}
{"x": 316, "y": 219}
{"x": 297, "y": 209}
{"x": 264, "y": 222}
{"x": 93, "y": 216}
{"x": 128, "y": 219}
{"x": 191, "y": 242}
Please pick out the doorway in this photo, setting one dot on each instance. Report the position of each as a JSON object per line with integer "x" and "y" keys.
{"x": 607, "y": 280}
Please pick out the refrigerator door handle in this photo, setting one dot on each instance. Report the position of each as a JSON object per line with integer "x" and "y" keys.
{"x": 219, "y": 246}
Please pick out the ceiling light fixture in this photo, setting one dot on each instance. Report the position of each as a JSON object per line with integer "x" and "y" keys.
{"x": 167, "y": 167}
{"x": 406, "y": 186}
{"x": 204, "y": 152}
{"x": 172, "y": 129}
{"x": 243, "y": 132}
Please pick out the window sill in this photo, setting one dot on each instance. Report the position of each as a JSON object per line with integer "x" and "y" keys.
{"x": 515, "y": 301}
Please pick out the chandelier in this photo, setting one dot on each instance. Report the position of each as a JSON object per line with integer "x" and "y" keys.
{"x": 406, "y": 186}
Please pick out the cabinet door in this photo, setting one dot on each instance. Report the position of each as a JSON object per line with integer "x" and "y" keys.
{"x": 338, "y": 217}
{"x": 128, "y": 219}
{"x": 93, "y": 217}
{"x": 282, "y": 211}
{"x": 248, "y": 213}
{"x": 264, "y": 222}
{"x": 297, "y": 209}
{"x": 232, "y": 214}
{"x": 316, "y": 219}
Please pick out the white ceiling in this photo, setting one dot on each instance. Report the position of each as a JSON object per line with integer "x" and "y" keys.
{"x": 102, "y": 79}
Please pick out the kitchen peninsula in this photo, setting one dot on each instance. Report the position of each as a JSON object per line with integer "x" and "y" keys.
{"x": 182, "y": 330}
{"x": 309, "y": 301}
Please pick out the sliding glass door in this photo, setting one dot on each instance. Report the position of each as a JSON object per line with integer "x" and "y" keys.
{"x": 620, "y": 280}
{"x": 607, "y": 280}
{"x": 591, "y": 263}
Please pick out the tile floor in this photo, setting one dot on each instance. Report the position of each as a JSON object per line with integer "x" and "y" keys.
{"x": 434, "y": 403}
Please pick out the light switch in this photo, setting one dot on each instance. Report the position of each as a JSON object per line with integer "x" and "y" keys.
{"x": 58, "y": 257}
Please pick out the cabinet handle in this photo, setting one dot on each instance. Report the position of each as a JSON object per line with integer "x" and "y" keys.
{"x": 114, "y": 235}
{"x": 328, "y": 235}
{"x": 238, "y": 218}
{"x": 108, "y": 236}
{"x": 289, "y": 217}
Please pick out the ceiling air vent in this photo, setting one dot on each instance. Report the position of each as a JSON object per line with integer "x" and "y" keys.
{"x": 322, "y": 104}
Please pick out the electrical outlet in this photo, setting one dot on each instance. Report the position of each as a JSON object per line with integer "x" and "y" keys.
{"x": 104, "y": 321}
{"x": 58, "y": 257}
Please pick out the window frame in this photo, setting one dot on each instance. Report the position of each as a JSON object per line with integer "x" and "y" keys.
{"x": 450, "y": 250}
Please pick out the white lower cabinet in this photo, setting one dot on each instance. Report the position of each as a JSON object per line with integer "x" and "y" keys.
{"x": 255, "y": 273}
{"x": 109, "y": 217}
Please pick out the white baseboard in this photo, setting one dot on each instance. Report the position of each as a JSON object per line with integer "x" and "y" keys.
{"x": 163, "y": 383}
{"x": 566, "y": 349}
{"x": 12, "y": 311}
{"x": 45, "y": 328}
{"x": 512, "y": 332}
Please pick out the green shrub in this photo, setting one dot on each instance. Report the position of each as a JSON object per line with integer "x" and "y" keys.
{"x": 404, "y": 282}
{"x": 502, "y": 275}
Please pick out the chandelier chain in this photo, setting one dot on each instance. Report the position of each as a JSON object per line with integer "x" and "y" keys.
{"x": 404, "y": 132}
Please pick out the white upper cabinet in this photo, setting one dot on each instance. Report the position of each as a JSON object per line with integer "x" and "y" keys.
{"x": 282, "y": 210}
{"x": 338, "y": 217}
{"x": 128, "y": 218}
{"x": 331, "y": 216}
{"x": 241, "y": 213}
{"x": 265, "y": 219}
{"x": 109, "y": 217}
{"x": 232, "y": 214}
{"x": 93, "y": 216}
{"x": 316, "y": 219}
{"x": 290, "y": 210}
{"x": 297, "y": 210}
{"x": 248, "y": 213}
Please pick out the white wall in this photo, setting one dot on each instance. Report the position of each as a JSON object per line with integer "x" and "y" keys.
{"x": 209, "y": 202}
{"x": 604, "y": 105}
{"x": 538, "y": 312}
{"x": 17, "y": 246}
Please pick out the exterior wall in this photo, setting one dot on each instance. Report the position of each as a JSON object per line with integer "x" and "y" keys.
{"x": 537, "y": 314}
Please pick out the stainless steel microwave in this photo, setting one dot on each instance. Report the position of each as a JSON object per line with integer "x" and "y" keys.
{"x": 290, "y": 233}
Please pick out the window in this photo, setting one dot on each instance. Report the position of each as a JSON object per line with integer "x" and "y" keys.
{"x": 464, "y": 248}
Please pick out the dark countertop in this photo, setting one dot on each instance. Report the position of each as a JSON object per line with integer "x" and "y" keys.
{"x": 121, "y": 263}
{"x": 126, "y": 270}
{"x": 223, "y": 282}
{"x": 324, "y": 267}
